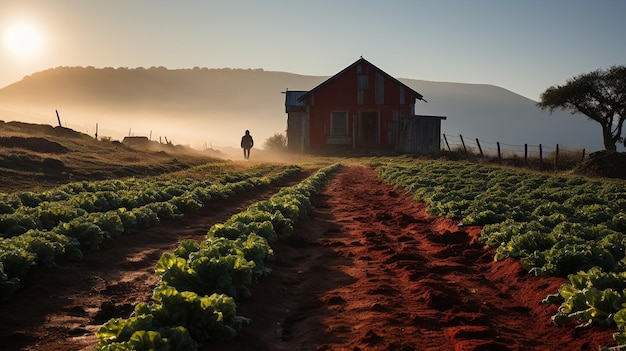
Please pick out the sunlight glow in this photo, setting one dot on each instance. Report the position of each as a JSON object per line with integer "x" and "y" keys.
{"x": 23, "y": 39}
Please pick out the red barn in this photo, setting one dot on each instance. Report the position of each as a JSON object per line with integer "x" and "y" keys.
{"x": 359, "y": 107}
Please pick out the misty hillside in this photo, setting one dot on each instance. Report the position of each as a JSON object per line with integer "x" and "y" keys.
{"x": 494, "y": 114}
{"x": 213, "y": 107}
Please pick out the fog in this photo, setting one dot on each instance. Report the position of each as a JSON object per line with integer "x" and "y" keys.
{"x": 198, "y": 132}
{"x": 197, "y": 107}
{"x": 211, "y": 108}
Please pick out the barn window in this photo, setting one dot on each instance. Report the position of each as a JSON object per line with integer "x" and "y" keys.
{"x": 339, "y": 123}
{"x": 380, "y": 89}
{"x": 363, "y": 82}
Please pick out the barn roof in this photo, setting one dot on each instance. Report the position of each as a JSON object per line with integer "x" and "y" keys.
{"x": 293, "y": 98}
{"x": 361, "y": 60}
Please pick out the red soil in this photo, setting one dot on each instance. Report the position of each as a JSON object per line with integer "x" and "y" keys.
{"x": 370, "y": 270}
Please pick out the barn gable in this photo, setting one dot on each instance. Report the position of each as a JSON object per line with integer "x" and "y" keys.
{"x": 363, "y": 69}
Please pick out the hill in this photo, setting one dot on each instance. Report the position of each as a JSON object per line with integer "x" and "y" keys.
{"x": 205, "y": 107}
{"x": 494, "y": 114}
{"x": 37, "y": 157}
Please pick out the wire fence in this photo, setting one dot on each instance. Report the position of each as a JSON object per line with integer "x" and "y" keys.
{"x": 542, "y": 157}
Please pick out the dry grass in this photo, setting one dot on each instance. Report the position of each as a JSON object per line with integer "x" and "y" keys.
{"x": 567, "y": 159}
{"x": 26, "y": 167}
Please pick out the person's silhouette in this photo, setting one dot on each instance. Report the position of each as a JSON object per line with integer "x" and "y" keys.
{"x": 246, "y": 144}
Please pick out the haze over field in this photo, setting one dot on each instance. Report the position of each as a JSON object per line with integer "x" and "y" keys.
{"x": 523, "y": 47}
{"x": 213, "y": 107}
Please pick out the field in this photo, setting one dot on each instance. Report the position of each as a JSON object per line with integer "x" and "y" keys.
{"x": 368, "y": 268}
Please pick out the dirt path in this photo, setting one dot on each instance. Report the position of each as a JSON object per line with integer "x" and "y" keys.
{"x": 370, "y": 270}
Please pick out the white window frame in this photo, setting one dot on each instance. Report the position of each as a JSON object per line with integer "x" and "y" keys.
{"x": 338, "y": 128}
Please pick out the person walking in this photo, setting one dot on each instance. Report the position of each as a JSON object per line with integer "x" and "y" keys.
{"x": 246, "y": 144}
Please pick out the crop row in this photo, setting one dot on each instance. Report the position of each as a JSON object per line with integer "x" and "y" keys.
{"x": 104, "y": 195}
{"x": 195, "y": 300}
{"x": 556, "y": 224}
{"x": 44, "y": 228}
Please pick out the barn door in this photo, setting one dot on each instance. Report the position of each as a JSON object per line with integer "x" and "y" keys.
{"x": 369, "y": 129}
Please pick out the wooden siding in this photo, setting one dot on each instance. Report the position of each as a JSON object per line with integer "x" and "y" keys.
{"x": 419, "y": 134}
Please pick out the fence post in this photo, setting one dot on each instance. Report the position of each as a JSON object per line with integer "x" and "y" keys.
{"x": 464, "y": 148}
{"x": 499, "y": 153}
{"x": 525, "y": 155}
{"x": 556, "y": 158}
{"x": 582, "y": 158}
{"x": 540, "y": 158}
{"x": 479, "y": 148}
{"x": 446, "y": 140}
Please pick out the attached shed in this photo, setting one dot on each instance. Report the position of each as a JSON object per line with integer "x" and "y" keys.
{"x": 418, "y": 134}
{"x": 297, "y": 122}
{"x": 359, "y": 107}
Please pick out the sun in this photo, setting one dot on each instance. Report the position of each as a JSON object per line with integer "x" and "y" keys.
{"x": 23, "y": 39}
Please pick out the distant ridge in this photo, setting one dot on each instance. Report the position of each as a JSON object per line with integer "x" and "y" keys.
{"x": 202, "y": 106}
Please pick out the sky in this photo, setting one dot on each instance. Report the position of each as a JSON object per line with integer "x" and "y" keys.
{"x": 523, "y": 46}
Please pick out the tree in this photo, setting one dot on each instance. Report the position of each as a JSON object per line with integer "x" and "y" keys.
{"x": 277, "y": 142}
{"x": 600, "y": 95}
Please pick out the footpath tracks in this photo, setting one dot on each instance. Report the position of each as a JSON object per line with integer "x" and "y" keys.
{"x": 414, "y": 275}
{"x": 422, "y": 282}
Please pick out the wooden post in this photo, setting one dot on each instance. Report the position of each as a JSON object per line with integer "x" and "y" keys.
{"x": 58, "y": 118}
{"x": 499, "y": 153}
{"x": 354, "y": 132}
{"x": 556, "y": 158}
{"x": 540, "y": 158}
{"x": 525, "y": 155}
{"x": 479, "y": 148}
{"x": 446, "y": 140}
{"x": 582, "y": 158}
{"x": 464, "y": 148}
